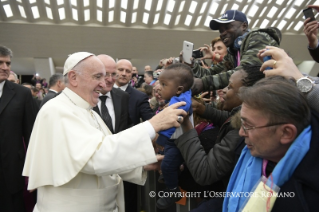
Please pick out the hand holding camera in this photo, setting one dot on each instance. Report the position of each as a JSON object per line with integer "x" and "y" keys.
{"x": 311, "y": 26}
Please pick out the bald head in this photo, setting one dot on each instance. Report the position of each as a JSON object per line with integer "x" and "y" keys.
{"x": 147, "y": 68}
{"x": 110, "y": 69}
{"x": 124, "y": 71}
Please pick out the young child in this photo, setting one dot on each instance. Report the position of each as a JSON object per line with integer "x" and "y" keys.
{"x": 175, "y": 83}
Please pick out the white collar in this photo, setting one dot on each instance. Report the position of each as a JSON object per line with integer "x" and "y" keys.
{"x": 123, "y": 88}
{"x": 76, "y": 99}
{"x": 1, "y": 87}
{"x": 108, "y": 94}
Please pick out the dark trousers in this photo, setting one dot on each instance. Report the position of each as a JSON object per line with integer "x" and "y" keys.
{"x": 130, "y": 197}
{"x": 170, "y": 164}
{"x": 10, "y": 202}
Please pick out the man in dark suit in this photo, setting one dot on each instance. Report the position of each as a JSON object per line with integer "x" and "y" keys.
{"x": 56, "y": 85}
{"x": 17, "y": 115}
{"x": 117, "y": 101}
{"x": 139, "y": 105}
{"x": 139, "y": 108}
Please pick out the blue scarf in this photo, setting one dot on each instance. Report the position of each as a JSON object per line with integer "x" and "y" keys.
{"x": 248, "y": 170}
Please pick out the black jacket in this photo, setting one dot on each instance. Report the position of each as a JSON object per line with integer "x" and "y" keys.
{"x": 50, "y": 95}
{"x": 121, "y": 109}
{"x": 17, "y": 115}
{"x": 304, "y": 182}
{"x": 139, "y": 105}
{"x": 314, "y": 54}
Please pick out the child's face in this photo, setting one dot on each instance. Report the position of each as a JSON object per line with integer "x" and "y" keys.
{"x": 167, "y": 85}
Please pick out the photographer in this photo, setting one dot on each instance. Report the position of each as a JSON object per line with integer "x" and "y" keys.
{"x": 311, "y": 31}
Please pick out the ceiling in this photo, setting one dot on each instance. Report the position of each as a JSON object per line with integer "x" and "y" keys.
{"x": 143, "y": 31}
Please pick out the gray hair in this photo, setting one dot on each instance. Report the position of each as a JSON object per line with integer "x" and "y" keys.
{"x": 14, "y": 74}
{"x": 5, "y": 51}
{"x": 55, "y": 78}
{"x": 279, "y": 99}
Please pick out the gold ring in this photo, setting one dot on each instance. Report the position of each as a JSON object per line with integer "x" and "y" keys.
{"x": 275, "y": 64}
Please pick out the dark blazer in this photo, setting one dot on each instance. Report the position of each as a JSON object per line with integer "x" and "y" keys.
{"x": 121, "y": 109}
{"x": 303, "y": 184}
{"x": 314, "y": 54}
{"x": 17, "y": 115}
{"x": 139, "y": 105}
{"x": 50, "y": 95}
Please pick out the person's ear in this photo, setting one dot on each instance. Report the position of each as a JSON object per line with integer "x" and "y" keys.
{"x": 245, "y": 26}
{"x": 288, "y": 133}
{"x": 180, "y": 90}
{"x": 73, "y": 78}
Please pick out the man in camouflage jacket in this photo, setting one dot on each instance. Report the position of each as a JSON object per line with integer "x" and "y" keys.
{"x": 243, "y": 46}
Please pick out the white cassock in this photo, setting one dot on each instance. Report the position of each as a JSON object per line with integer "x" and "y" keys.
{"x": 76, "y": 164}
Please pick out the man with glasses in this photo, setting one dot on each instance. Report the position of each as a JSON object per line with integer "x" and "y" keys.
{"x": 281, "y": 153}
{"x": 113, "y": 105}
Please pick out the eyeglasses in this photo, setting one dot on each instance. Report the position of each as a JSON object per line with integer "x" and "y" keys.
{"x": 251, "y": 127}
{"x": 113, "y": 75}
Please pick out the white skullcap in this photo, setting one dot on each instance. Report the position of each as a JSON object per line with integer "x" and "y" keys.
{"x": 74, "y": 59}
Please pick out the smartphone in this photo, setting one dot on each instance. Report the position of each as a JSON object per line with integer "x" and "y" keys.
{"x": 197, "y": 54}
{"x": 187, "y": 51}
{"x": 266, "y": 58}
{"x": 308, "y": 13}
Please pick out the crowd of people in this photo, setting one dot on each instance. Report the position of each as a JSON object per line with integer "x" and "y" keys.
{"x": 87, "y": 138}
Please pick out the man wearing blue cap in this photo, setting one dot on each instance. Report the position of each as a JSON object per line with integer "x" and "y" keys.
{"x": 243, "y": 45}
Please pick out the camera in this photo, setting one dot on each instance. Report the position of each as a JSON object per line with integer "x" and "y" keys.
{"x": 197, "y": 54}
{"x": 176, "y": 60}
{"x": 308, "y": 13}
{"x": 156, "y": 74}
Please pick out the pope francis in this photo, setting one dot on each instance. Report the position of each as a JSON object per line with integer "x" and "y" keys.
{"x": 73, "y": 160}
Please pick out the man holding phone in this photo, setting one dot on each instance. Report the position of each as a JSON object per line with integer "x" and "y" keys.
{"x": 311, "y": 31}
{"x": 243, "y": 45}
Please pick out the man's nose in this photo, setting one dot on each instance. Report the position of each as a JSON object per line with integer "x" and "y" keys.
{"x": 102, "y": 83}
{"x": 4, "y": 66}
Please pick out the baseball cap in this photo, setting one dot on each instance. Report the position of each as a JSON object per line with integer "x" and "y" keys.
{"x": 228, "y": 17}
{"x": 74, "y": 59}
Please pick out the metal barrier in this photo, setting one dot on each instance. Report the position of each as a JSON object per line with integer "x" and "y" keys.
{"x": 148, "y": 203}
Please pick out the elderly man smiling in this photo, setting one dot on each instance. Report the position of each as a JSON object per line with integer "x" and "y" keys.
{"x": 73, "y": 159}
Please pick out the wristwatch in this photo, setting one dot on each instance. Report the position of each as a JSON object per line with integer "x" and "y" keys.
{"x": 304, "y": 84}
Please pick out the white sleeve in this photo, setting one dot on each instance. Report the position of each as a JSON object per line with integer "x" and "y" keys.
{"x": 123, "y": 152}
